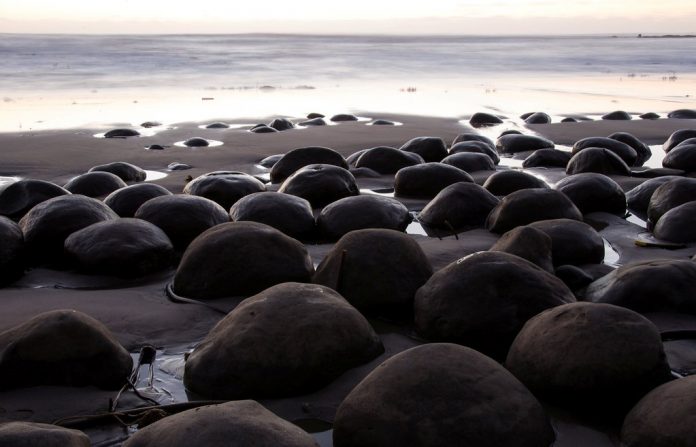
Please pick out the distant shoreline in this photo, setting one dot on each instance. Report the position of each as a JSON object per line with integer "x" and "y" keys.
{"x": 668, "y": 36}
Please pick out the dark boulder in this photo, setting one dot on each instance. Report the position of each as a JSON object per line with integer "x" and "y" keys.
{"x": 126, "y": 201}
{"x": 479, "y": 147}
{"x": 361, "y": 212}
{"x": 217, "y": 125}
{"x": 362, "y": 268}
{"x": 484, "y": 299}
{"x": 638, "y": 198}
{"x": 473, "y": 137}
{"x": 589, "y": 358}
{"x": 627, "y": 153}
{"x": 353, "y": 158}
{"x": 599, "y": 160}
{"x": 314, "y": 115}
{"x": 149, "y": 124}
{"x": 530, "y": 205}
{"x": 386, "y": 160}
{"x": 281, "y": 124}
{"x": 592, "y": 192}
{"x": 470, "y": 161}
{"x": 32, "y": 434}
{"x": 682, "y": 157}
{"x": 441, "y": 395}
{"x": 547, "y": 158}
{"x": 297, "y": 159}
{"x": 271, "y": 160}
{"x": 650, "y": 116}
{"x": 572, "y": 242}
{"x": 262, "y": 129}
{"x": 290, "y": 214}
{"x": 513, "y": 143}
{"x": 482, "y": 119}
{"x": 319, "y": 121}
{"x": 344, "y": 117}
{"x": 618, "y": 115}
{"x": 459, "y": 206}
{"x": 574, "y": 277}
{"x": 570, "y": 119}
{"x": 125, "y": 171}
{"x": 502, "y": 183}
{"x": 381, "y": 122}
{"x": 677, "y": 137}
{"x": 427, "y": 180}
{"x": 320, "y": 184}
{"x": 95, "y": 184}
{"x": 642, "y": 150}
{"x": 240, "y": 259}
{"x": 120, "y": 247}
{"x": 323, "y": 338}
{"x": 48, "y": 224}
{"x": 17, "y": 198}
{"x": 431, "y": 149}
{"x": 121, "y": 133}
{"x": 677, "y": 225}
{"x": 683, "y": 114}
{"x": 670, "y": 195}
{"x": 537, "y": 118}
{"x": 182, "y": 217}
{"x": 527, "y": 243}
{"x": 176, "y": 166}
{"x": 241, "y": 423}
{"x": 196, "y": 142}
{"x": 62, "y": 348}
{"x": 11, "y": 251}
{"x": 224, "y": 187}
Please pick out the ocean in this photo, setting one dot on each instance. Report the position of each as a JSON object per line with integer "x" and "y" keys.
{"x": 43, "y": 77}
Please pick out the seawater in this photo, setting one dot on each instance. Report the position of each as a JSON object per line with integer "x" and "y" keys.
{"x": 48, "y": 79}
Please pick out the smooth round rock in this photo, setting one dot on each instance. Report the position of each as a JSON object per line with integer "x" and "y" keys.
{"x": 48, "y": 224}
{"x": 472, "y": 137}
{"x": 182, "y": 217}
{"x": 344, "y": 117}
{"x": 572, "y": 242}
{"x": 599, "y": 160}
{"x": 247, "y": 352}
{"x": 589, "y": 358}
{"x": 570, "y": 119}
{"x": 196, "y": 142}
{"x": 638, "y": 198}
{"x": 320, "y": 184}
{"x": 361, "y": 212}
{"x": 479, "y": 147}
{"x": 677, "y": 225}
{"x": 547, "y": 158}
{"x": 217, "y": 125}
{"x": 681, "y": 157}
{"x": 642, "y": 150}
{"x": 126, "y": 201}
{"x": 318, "y": 121}
{"x": 62, "y": 348}
{"x": 155, "y": 147}
{"x": 175, "y": 166}
{"x": 528, "y": 243}
{"x": 441, "y": 395}
{"x": 125, "y": 171}
{"x": 431, "y": 149}
{"x": 537, "y": 118}
{"x": 240, "y": 259}
{"x": 662, "y": 285}
{"x": 510, "y": 132}
{"x": 32, "y": 434}
{"x": 459, "y": 206}
{"x": 121, "y": 133}
{"x": 262, "y": 128}
{"x": 314, "y": 115}
{"x": 682, "y": 114}
{"x": 299, "y": 158}
{"x": 677, "y": 137}
{"x": 574, "y": 277}
{"x": 17, "y": 198}
{"x": 665, "y": 417}
{"x": 627, "y": 153}
{"x": 482, "y": 119}
{"x": 530, "y": 205}
{"x": 470, "y": 161}
{"x": 382, "y": 122}
{"x": 592, "y": 192}
{"x": 513, "y": 143}
{"x": 281, "y": 124}
{"x": 271, "y": 160}
{"x": 650, "y": 116}
{"x": 11, "y": 251}
{"x": 618, "y": 115}
{"x": 95, "y": 184}
{"x": 670, "y": 195}
{"x": 386, "y": 160}
{"x": 239, "y": 423}
{"x": 502, "y": 183}
{"x": 469, "y": 303}
{"x": 121, "y": 247}
{"x": 427, "y": 180}
{"x": 361, "y": 268}
{"x": 290, "y": 214}
{"x": 224, "y": 187}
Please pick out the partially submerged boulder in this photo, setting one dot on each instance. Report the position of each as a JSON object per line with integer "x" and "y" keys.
{"x": 502, "y": 183}
{"x": 17, "y": 198}
{"x": 528, "y": 243}
{"x": 530, "y": 205}
{"x": 513, "y": 143}
{"x": 298, "y": 158}
{"x": 386, "y": 160}
{"x": 224, "y": 187}
{"x": 592, "y": 192}
{"x": 11, "y": 251}
{"x": 670, "y": 195}
{"x": 360, "y": 212}
{"x": 320, "y": 184}
{"x": 427, "y": 180}
{"x": 95, "y": 184}
{"x": 126, "y": 201}
{"x": 623, "y": 150}
{"x": 547, "y": 158}
{"x": 32, "y": 434}
{"x": 470, "y": 161}
{"x": 482, "y": 119}
{"x": 432, "y": 149}
{"x": 125, "y": 171}
{"x": 573, "y": 242}
{"x": 290, "y": 214}
{"x": 638, "y": 198}
{"x": 643, "y": 151}
{"x": 682, "y": 157}
{"x": 476, "y": 147}
{"x": 459, "y": 206}
{"x": 677, "y": 137}
{"x": 677, "y": 225}
{"x": 599, "y": 160}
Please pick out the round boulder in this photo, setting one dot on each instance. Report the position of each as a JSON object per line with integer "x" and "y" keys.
{"x": 217, "y": 125}
{"x": 224, "y": 187}
{"x": 11, "y": 251}
{"x": 320, "y": 184}
{"x": 592, "y": 192}
{"x": 182, "y": 217}
{"x": 441, "y": 395}
{"x": 121, "y": 247}
{"x": 196, "y": 142}
{"x": 650, "y": 116}
{"x": 677, "y": 224}
{"x": 513, "y": 143}
{"x": 32, "y": 434}
{"x": 537, "y": 118}
{"x": 469, "y": 303}
{"x": 299, "y": 158}
{"x": 589, "y": 357}
{"x": 95, "y": 184}
{"x": 126, "y": 201}
{"x": 281, "y": 124}
{"x": 643, "y": 150}
{"x": 618, "y": 115}
{"x": 547, "y": 158}
{"x": 17, "y": 198}
{"x": 476, "y": 147}
{"x": 682, "y": 157}
{"x": 48, "y": 224}
{"x": 431, "y": 149}
{"x": 313, "y": 122}
{"x": 290, "y": 214}
{"x": 638, "y": 198}
{"x": 459, "y": 206}
{"x": 503, "y": 183}
{"x": 572, "y": 242}
{"x": 482, "y": 119}
{"x": 682, "y": 114}
{"x": 341, "y": 117}
{"x": 361, "y": 267}
{"x": 62, "y": 348}
{"x": 121, "y": 133}
{"x": 427, "y": 180}
{"x": 240, "y": 259}
{"x": 530, "y": 205}
{"x": 361, "y": 212}
{"x": 670, "y": 195}
{"x": 386, "y": 160}
{"x": 678, "y": 137}
{"x": 665, "y": 417}
{"x": 125, "y": 171}
{"x": 528, "y": 243}
{"x": 241, "y": 423}
{"x": 262, "y": 128}
{"x": 247, "y": 352}
{"x": 472, "y": 137}
{"x": 663, "y": 285}
{"x": 271, "y": 160}
{"x": 599, "y": 160}
{"x": 470, "y": 161}
{"x": 623, "y": 150}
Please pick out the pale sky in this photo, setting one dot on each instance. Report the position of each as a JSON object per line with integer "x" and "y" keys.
{"x": 352, "y": 16}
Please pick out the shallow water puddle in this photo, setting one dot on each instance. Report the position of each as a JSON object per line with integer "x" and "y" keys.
{"x": 154, "y": 175}
{"x": 386, "y": 192}
{"x": 7, "y": 180}
{"x": 415, "y": 227}
{"x": 611, "y": 256}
